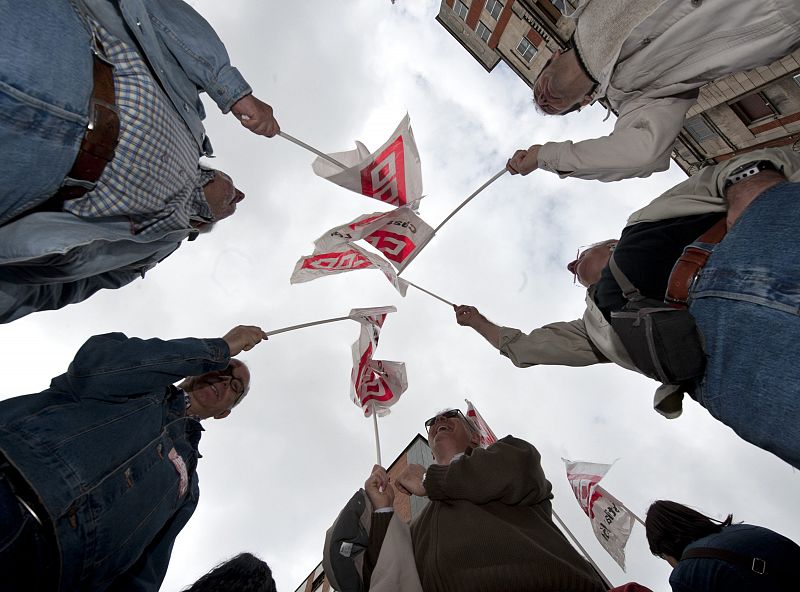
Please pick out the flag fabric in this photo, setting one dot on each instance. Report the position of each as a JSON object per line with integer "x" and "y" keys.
{"x": 398, "y": 234}
{"x": 487, "y": 435}
{"x": 391, "y": 174}
{"x": 375, "y": 385}
{"x": 344, "y": 257}
{"x": 611, "y": 520}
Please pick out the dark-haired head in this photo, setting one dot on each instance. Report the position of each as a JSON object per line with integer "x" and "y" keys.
{"x": 672, "y": 526}
{"x": 243, "y": 573}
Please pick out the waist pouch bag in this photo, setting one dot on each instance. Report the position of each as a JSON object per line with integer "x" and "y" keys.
{"x": 663, "y": 342}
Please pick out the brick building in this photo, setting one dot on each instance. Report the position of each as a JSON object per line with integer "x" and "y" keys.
{"x": 734, "y": 114}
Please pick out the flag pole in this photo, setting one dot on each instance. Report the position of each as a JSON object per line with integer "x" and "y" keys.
{"x": 428, "y": 292}
{"x": 304, "y": 325}
{"x": 585, "y": 554}
{"x": 377, "y": 437}
{"x": 635, "y": 517}
{"x": 302, "y": 144}
{"x": 453, "y": 213}
{"x": 466, "y": 201}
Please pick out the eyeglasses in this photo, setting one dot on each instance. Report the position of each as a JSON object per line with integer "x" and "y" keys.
{"x": 446, "y": 414}
{"x": 236, "y": 384}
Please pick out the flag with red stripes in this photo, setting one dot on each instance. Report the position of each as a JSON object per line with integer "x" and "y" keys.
{"x": 391, "y": 174}
{"x": 611, "y": 520}
{"x": 375, "y": 385}
{"x": 487, "y": 435}
{"x": 341, "y": 258}
{"x": 398, "y": 234}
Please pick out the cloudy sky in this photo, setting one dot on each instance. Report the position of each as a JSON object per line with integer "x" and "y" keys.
{"x": 274, "y": 475}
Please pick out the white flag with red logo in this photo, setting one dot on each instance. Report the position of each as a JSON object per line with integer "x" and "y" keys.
{"x": 344, "y": 257}
{"x": 487, "y": 435}
{"x": 611, "y": 520}
{"x": 398, "y": 234}
{"x": 392, "y": 174}
{"x": 375, "y": 385}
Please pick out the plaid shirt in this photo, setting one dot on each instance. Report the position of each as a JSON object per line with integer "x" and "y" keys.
{"x": 154, "y": 178}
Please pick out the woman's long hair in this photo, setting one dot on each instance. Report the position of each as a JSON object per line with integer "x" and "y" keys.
{"x": 243, "y": 573}
{"x": 671, "y": 526}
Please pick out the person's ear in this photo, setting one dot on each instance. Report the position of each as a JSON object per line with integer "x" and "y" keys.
{"x": 475, "y": 440}
{"x": 223, "y": 415}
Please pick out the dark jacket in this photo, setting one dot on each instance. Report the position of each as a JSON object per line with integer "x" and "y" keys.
{"x": 111, "y": 455}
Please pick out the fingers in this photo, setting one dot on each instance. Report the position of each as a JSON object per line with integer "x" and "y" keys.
{"x": 465, "y": 314}
{"x": 256, "y": 115}
{"x": 515, "y": 162}
{"x": 244, "y": 338}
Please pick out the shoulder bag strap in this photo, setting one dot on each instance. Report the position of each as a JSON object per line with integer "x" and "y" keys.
{"x": 628, "y": 289}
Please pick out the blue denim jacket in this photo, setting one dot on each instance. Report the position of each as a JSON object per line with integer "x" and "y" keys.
{"x": 51, "y": 259}
{"x": 96, "y": 448}
{"x": 184, "y": 52}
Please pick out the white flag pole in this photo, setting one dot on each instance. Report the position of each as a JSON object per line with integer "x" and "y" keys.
{"x": 582, "y": 550}
{"x": 304, "y": 325}
{"x": 635, "y": 517}
{"x": 428, "y": 292}
{"x": 453, "y": 213}
{"x": 302, "y": 144}
{"x": 466, "y": 201}
{"x": 377, "y": 437}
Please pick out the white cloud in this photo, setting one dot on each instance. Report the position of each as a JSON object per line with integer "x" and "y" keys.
{"x": 275, "y": 474}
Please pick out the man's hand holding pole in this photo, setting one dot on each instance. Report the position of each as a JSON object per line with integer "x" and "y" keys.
{"x": 244, "y": 338}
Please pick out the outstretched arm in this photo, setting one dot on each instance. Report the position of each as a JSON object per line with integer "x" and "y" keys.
{"x": 509, "y": 471}
{"x": 640, "y": 145}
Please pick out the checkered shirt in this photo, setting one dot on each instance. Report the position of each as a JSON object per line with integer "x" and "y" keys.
{"x": 154, "y": 178}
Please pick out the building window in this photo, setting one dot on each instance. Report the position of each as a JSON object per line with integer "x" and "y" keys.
{"x": 483, "y": 32}
{"x": 796, "y": 79}
{"x": 699, "y": 129}
{"x": 526, "y": 49}
{"x": 754, "y": 108}
{"x": 461, "y": 9}
{"x": 494, "y": 8}
{"x": 564, "y": 5}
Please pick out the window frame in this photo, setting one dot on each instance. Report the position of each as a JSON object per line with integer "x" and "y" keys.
{"x": 530, "y": 47}
{"x": 493, "y": 6}
{"x": 456, "y": 8}
{"x": 485, "y": 30}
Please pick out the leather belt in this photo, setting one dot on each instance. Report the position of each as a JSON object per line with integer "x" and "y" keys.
{"x": 687, "y": 268}
{"x": 98, "y": 144}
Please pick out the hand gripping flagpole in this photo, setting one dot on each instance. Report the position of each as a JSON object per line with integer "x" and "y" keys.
{"x": 324, "y": 156}
{"x": 582, "y": 550}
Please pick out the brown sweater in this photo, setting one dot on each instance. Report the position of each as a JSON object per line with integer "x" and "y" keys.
{"x": 488, "y": 527}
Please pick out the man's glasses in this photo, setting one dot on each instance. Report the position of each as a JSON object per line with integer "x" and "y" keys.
{"x": 446, "y": 414}
{"x": 236, "y": 384}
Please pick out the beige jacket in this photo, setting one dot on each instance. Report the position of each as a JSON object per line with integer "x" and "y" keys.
{"x": 650, "y": 66}
{"x": 590, "y": 339}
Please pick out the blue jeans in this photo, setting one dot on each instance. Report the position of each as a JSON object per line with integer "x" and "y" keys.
{"x": 25, "y": 562}
{"x": 45, "y": 87}
{"x": 747, "y": 306}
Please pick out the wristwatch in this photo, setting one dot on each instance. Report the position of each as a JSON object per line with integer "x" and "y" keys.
{"x": 747, "y": 170}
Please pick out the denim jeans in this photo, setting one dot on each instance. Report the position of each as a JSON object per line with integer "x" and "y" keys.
{"x": 45, "y": 86}
{"x": 25, "y": 563}
{"x": 747, "y": 306}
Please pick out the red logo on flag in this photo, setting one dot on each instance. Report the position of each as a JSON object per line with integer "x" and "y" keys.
{"x": 333, "y": 261}
{"x": 585, "y": 491}
{"x": 396, "y": 247}
{"x": 385, "y": 177}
